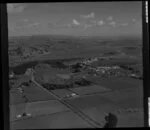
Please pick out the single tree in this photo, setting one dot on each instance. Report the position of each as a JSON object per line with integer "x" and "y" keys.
{"x": 111, "y": 121}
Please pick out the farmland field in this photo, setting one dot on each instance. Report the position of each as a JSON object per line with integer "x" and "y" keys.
{"x": 37, "y": 108}
{"x": 116, "y": 83}
{"x": 33, "y": 94}
{"x": 66, "y": 66}
{"x": 97, "y": 105}
{"x": 90, "y": 90}
{"x": 59, "y": 120}
{"x": 61, "y": 93}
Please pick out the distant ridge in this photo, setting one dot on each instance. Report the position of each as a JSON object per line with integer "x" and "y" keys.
{"x": 80, "y": 37}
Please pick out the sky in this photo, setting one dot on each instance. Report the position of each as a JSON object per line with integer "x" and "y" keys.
{"x": 75, "y": 18}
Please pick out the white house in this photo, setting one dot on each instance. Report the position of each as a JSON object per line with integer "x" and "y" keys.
{"x": 11, "y": 75}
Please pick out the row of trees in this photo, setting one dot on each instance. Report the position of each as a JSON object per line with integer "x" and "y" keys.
{"x": 67, "y": 85}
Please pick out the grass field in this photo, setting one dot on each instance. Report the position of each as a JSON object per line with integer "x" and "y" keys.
{"x": 90, "y": 90}
{"x": 37, "y": 108}
{"x": 59, "y": 120}
{"x": 97, "y": 105}
{"x": 61, "y": 92}
{"x": 127, "y": 120}
{"x": 94, "y": 106}
{"x": 128, "y": 98}
{"x": 15, "y": 97}
{"x": 32, "y": 92}
{"x": 115, "y": 83}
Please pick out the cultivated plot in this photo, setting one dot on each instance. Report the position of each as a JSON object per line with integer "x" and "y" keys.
{"x": 32, "y": 92}
{"x": 58, "y": 120}
{"x": 96, "y": 106}
{"x": 36, "y": 108}
{"x": 92, "y": 89}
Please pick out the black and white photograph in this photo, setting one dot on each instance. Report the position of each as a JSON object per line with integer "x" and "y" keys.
{"x": 75, "y": 65}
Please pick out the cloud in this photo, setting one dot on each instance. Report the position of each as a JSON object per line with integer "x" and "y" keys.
{"x": 26, "y": 23}
{"x": 94, "y": 23}
{"x": 91, "y": 15}
{"x": 33, "y": 24}
{"x": 36, "y": 24}
{"x": 133, "y": 20}
{"x": 24, "y": 20}
{"x": 110, "y": 18}
{"x": 113, "y": 23}
{"x": 124, "y": 24}
{"x": 15, "y": 8}
{"x": 65, "y": 25}
{"x": 100, "y": 23}
{"x": 60, "y": 24}
{"x": 88, "y": 26}
{"x": 14, "y": 28}
{"x": 75, "y": 22}
{"x": 68, "y": 25}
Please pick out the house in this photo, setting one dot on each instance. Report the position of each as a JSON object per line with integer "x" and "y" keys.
{"x": 134, "y": 76}
{"x": 29, "y": 72}
{"x": 11, "y": 75}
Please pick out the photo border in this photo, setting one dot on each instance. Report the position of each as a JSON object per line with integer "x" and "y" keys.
{"x": 5, "y": 65}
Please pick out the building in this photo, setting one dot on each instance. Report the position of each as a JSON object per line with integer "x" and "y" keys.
{"x": 11, "y": 75}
